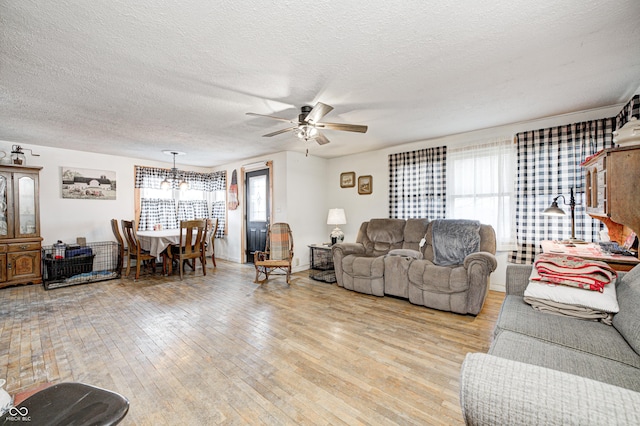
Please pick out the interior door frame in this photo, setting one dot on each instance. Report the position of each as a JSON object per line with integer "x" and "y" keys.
{"x": 242, "y": 196}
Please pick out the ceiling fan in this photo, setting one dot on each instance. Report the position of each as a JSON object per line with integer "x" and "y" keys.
{"x": 308, "y": 125}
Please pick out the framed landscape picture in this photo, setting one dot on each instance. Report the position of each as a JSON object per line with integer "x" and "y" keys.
{"x": 365, "y": 184}
{"x": 347, "y": 179}
{"x": 88, "y": 184}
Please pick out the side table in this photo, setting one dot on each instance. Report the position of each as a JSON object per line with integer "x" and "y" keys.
{"x": 321, "y": 263}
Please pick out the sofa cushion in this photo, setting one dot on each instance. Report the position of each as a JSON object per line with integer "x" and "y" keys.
{"x": 522, "y": 348}
{"x": 442, "y": 279}
{"x": 586, "y": 336}
{"x": 383, "y": 235}
{"x": 364, "y": 274}
{"x": 414, "y": 231}
{"x": 363, "y": 266}
{"x": 627, "y": 321}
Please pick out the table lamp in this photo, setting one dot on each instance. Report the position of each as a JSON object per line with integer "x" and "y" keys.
{"x": 336, "y": 217}
{"x": 554, "y": 210}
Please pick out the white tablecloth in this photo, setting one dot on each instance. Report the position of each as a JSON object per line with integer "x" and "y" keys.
{"x": 156, "y": 241}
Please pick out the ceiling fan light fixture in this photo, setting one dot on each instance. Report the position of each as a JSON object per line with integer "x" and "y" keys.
{"x": 310, "y": 123}
{"x": 306, "y": 132}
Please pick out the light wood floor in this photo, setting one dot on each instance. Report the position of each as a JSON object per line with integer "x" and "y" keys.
{"x": 220, "y": 349}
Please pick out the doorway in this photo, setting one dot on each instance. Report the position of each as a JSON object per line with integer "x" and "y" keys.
{"x": 257, "y": 211}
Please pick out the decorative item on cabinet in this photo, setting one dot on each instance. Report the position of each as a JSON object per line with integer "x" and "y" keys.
{"x": 629, "y": 134}
{"x": 20, "y": 241}
{"x": 17, "y": 156}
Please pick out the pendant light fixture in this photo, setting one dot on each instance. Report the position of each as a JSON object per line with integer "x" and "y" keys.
{"x": 166, "y": 183}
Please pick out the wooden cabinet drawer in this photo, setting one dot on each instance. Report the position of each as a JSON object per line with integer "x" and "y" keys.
{"x": 16, "y": 247}
{"x": 3, "y": 248}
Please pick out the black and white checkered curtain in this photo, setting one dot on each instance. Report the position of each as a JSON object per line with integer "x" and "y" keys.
{"x": 417, "y": 184}
{"x": 548, "y": 166}
{"x": 192, "y": 209}
{"x": 218, "y": 211}
{"x": 631, "y": 109}
{"x": 154, "y": 211}
{"x": 218, "y": 182}
{"x": 152, "y": 177}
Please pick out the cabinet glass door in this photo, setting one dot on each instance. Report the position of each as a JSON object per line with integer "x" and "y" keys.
{"x": 6, "y": 218}
{"x": 26, "y": 221}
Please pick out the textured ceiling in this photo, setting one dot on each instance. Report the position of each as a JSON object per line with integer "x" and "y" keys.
{"x": 136, "y": 78}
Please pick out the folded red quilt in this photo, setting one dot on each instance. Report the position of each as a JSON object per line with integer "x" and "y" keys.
{"x": 574, "y": 271}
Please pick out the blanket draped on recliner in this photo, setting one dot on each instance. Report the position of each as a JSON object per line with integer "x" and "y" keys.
{"x": 454, "y": 239}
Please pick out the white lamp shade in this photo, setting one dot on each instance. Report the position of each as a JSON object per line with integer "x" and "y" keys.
{"x": 336, "y": 217}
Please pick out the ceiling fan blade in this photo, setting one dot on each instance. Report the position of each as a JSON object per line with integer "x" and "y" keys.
{"x": 321, "y": 139}
{"x": 271, "y": 116}
{"x": 346, "y": 127}
{"x": 318, "y": 111}
{"x": 268, "y": 135}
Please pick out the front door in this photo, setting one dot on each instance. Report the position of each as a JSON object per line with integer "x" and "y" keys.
{"x": 257, "y": 210}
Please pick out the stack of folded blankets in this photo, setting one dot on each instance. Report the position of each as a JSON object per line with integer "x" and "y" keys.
{"x": 573, "y": 286}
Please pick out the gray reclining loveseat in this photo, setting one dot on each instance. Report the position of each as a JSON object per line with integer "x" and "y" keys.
{"x": 388, "y": 258}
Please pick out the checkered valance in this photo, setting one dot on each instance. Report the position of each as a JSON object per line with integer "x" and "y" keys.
{"x": 152, "y": 177}
{"x": 417, "y": 183}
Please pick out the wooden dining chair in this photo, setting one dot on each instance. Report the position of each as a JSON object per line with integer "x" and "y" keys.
{"x": 135, "y": 251}
{"x": 123, "y": 251}
{"x": 209, "y": 243}
{"x": 192, "y": 240}
{"x": 278, "y": 252}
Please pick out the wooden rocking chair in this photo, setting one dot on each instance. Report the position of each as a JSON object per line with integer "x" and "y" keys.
{"x": 278, "y": 252}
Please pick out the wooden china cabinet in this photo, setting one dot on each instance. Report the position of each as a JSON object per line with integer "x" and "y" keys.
{"x": 612, "y": 180}
{"x": 20, "y": 241}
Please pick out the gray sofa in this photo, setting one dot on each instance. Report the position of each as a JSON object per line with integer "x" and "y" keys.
{"x": 387, "y": 259}
{"x": 548, "y": 369}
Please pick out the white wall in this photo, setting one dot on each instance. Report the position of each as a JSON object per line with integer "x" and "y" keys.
{"x": 67, "y": 219}
{"x": 306, "y": 204}
{"x": 299, "y": 198}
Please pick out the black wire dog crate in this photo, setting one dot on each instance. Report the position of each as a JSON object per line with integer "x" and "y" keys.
{"x": 75, "y": 264}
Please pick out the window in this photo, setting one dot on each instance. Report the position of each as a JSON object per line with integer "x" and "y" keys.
{"x": 257, "y": 203}
{"x": 480, "y": 186}
{"x": 206, "y": 197}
